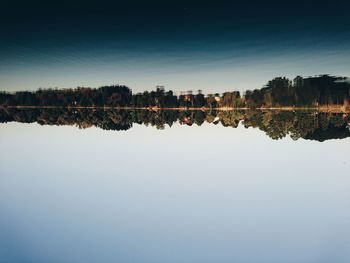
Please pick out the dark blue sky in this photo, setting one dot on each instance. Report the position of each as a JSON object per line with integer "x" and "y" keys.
{"x": 95, "y": 43}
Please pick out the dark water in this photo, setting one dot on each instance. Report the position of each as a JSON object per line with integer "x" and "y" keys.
{"x": 203, "y": 190}
{"x": 192, "y": 45}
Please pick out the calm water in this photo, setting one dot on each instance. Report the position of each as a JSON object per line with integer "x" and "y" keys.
{"x": 204, "y": 193}
{"x": 216, "y": 48}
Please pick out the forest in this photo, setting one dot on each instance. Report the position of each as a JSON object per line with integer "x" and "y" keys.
{"x": 315, "y": 91}
{"x": 310, "y": 125}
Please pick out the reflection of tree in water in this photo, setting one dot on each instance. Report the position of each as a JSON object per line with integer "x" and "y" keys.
{"x": 309, "y": 125}
{"x": 326, "y": 91}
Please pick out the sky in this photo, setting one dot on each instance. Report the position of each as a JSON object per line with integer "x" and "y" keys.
{"x": 219, "y": 195}
{"x": 214, "y": 47}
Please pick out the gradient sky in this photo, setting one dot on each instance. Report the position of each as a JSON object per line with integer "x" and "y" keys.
{"x": 185, "y": 194}
{"x": 193, "y": 46}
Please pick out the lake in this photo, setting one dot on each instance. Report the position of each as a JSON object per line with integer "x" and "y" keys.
{"x": 202, "y": 190}
{"x": 187, "y": 132}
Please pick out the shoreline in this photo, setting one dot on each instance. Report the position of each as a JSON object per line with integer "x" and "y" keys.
{"x": 331, "y": 109}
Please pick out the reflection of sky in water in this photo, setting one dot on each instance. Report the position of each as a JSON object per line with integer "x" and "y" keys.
{"x": 214, "y": 48}
{"x": 186, "y": 194}
{"x": 226, "y": 68}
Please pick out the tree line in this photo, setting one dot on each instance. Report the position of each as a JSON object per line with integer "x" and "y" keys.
{"x": 311, "y": 125}
{"x": 279, "y": 92}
